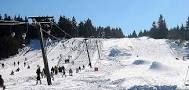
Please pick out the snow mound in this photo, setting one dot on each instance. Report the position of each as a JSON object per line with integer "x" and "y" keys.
{"x": 146, "y": 87}
{"x": 114, "y": 52}
{"x": 158, "y": 66}
{"x": 139, "y": 62}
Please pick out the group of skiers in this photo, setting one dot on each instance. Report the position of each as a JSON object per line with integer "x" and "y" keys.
{"x": 54, "y": 71}
{"x": 12, "y": 72}
{"x": 42, "y": 73}
{"x": 18, "y": 69}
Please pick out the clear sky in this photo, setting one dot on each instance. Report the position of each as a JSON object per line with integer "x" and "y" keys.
{"x": 128, "y": 14}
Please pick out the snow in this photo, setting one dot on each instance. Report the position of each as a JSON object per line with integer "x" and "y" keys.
{"x": 136, "y": 63}
{"x": 158, "y": 66}
{"x": 140, "y": 62}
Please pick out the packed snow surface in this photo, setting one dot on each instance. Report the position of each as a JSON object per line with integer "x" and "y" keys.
{"x": 134, "y": 64}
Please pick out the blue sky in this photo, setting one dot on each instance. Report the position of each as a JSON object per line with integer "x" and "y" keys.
{"x": 128, "y": 14}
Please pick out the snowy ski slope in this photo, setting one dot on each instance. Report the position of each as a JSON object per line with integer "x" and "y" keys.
{"x": 141, "y": 63}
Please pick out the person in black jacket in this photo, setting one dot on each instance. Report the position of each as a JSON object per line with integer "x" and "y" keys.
{"x": 12, "y": 72}
{"x": 70, "y": 72}
{"x": 14, "y": 63}
{"x": 2, "y": 83}
{"x": 56, "y": 70}
{"x": 18, "y": 69}
{"x": 83, "y": 66}
{"x": 63, "y": 68}
{"x": 38, "y": 72}
{"x": 3, "y": 65}
{"x": 52, "y": 69}
{"x": 18, "y": 63}
{"x": 79, "y": 68}
{"x": 24, "y": 63}
{"x": 28, "y": 67}
{"x": 60, "y": 69}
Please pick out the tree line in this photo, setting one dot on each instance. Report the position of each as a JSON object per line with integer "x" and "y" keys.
{"x": 159, "y": 30}
{"x": 11, "y": 35}
{"x": 85, "y": 29}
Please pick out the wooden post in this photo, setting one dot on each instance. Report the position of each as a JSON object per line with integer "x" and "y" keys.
{"x": 88, "y": 53}
{"x": 47, "y": 72}
{"x": 98, "y": 49}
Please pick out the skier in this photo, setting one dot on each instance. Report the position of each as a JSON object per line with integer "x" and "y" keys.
{"x": 52, "y": 75}
{"x": 56, "y": 70}
{"x": 67, "y": 60}
{"x": 2, "y": 83}
{"x": 18, "y": 63}
{"x": 52, "y": 69}
{"x": 38, "y": 71}
{"x": 18, "y": 69}
{"x": 72, "y": 62}
{"x": 12, "y": 72}
{"x": 63, "y": 72}
{"x": 14, "y": 63}
{"x": 83, "y": 67}
{"x": 26, "y": 59}
{"x": 90, "y": 65}
{"x": 79, "y": 68}
{"x": 24, "y": 64}
{"x": 70, "y": 72}
{"x": 3, "y": 65}
{"x": 60, "y": 69}
{"x": 28, "y": 67}
{"x": 42, "y": 73}
{"x": 63, "y": 68}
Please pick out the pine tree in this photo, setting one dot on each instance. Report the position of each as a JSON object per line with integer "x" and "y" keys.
{"x": 187, "y": 23}
{"x": 107, "y": 32}
{"x": 140, "y": 34}
{"x": 145, "y": 33}
{"x": 81, "y": 29}
{"x": 66, "y": 25}
{"x": 134, "y": 35}
{"x": 60, "y": 24}
{"x": 121, "y": 35}
{"x": 162, "y": 28}
{"x": 89, "y": 28}
{"x": 153, "y": 30}
{"x": 187, "y": 29}
{"x": 74, "y": 27}
{"x": 183, "y": 32}
{"x": 5, "y": 16}
{"x": 0, "y": 17}
{"x": 25, "y": 19}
